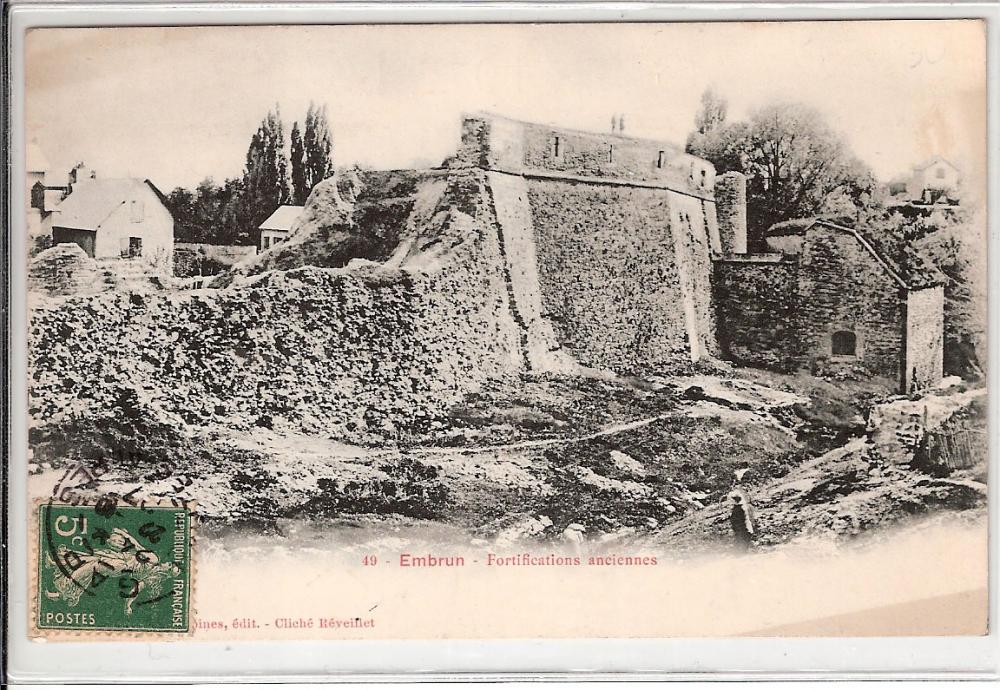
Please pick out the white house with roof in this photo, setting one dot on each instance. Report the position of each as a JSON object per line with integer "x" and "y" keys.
{"x": 935, "y": 175}
{"x": 44, "y": 191}
{"x": 278, "y": 226}
{"x": 124, "y": 218}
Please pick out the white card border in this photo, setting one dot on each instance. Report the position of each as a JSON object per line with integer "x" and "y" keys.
{"x": 637, "y": 659}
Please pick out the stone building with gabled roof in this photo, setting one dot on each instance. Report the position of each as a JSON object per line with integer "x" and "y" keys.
{"x": 828, "y": 298}
{"x": 122, "y": 218}
{"x": 278, "y": 226}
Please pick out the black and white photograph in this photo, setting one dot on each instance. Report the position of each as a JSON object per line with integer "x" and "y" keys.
{"x": 655, "y": 329}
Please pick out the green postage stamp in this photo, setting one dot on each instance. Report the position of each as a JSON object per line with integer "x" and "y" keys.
{"x": 113, "y": 568}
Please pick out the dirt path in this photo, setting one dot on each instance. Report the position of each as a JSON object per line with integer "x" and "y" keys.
{"x": 280, "y": 444}
{"x": 609, "y": 430}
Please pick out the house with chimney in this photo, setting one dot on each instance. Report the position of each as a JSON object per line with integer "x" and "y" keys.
{"x": 120, "y": 219}
{"x": 936, "y": 181}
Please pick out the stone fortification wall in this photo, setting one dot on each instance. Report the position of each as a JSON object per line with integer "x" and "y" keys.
{"x": 400, "y": 291}
{"x": 539, "y": 343}
{"x": 756, "y": 310}
{"x": 512, "y": 146}
{"x": 360, "y": 352}
{"x": 694, "y": 233}
{"x": 609, "y": 242}
{"x": 924, "y": 337}
{"x": 622, "y": 273}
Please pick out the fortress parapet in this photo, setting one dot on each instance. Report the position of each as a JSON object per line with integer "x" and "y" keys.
{"x": 536, "y": 150}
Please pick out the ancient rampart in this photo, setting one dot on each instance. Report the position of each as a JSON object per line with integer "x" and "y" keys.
{"x": 621, "y": 231}
{"x": 399, "y": 292}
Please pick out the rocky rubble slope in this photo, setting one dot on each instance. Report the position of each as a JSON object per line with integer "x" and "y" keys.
{"x": 64, "y": 269}
{"x": 368, "y": 215}
{"x": 363, "y": 352}
{"x": 538, "y": 458}
{"x": 876, "y": 479}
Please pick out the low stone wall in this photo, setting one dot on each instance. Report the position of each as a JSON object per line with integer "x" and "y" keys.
{"x": 193, "y": 259}
{"x": 756, "y": 310}
{"x": 64, "y": 269}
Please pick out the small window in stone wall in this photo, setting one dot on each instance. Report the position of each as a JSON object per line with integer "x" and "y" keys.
{"x": 844, "y": 344}
{"x": 38, "y": 196}
{"x": 611, "y": 153}
{"x": 939, "y": 173}
{"x": 556, "y": 147}
{"x": 660, "y": 159}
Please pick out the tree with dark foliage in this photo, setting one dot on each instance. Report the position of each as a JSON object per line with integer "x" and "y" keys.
{"x": 298, "y": 163}
{"x": 180, "y": 203}
{"x": 312, "y": 153}
{"x": 265, "y": 178}
{"x": 232, "y": 214}
{"x": 317, "y": 143}
{"x": 796, "y": 165}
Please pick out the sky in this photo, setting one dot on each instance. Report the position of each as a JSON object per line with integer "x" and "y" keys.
{"x": 178, "y": 104}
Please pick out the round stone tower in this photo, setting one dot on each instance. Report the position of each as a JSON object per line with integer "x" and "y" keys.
{"x": 731, "y": 211}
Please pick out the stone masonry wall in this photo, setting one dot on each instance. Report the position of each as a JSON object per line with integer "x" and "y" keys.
{"x": 607, "y": 242}
{"x": 499, "y": 143}
{"x": 782, "y": 313}
{"x": 691, "y": 229}
{"x": 193, "y": 259}
{"x": 843, "y": 287}
{"x": 924, "y": 337}
{"x": 540, "y": 346}
{"x": 731, "y": 208}
{"x": 755, "y": 310}
{"x": 608, "y": 273}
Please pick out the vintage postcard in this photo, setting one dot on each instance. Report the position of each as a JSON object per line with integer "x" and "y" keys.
{"x": 490, "y": 331}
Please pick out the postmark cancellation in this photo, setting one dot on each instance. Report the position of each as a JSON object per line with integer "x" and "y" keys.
{"x": 104, "y": 569}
